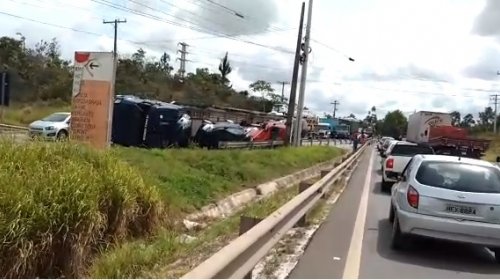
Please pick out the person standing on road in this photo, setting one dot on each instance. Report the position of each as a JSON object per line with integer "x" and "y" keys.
{"x": 355, "y": 140}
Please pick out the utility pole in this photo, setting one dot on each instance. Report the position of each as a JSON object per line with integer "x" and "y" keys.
{"x": 494, "y": 99}
{"x": 335, "y": 104}
{"x": 293, "y": 88}
{"x": 182, "y": 59}
{"x": 115, "y": 23}
{"x": 283, "y": 83}
{"x": 303, "y": 78}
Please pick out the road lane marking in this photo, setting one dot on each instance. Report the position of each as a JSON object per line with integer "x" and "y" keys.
{"x": 353, "y": 260}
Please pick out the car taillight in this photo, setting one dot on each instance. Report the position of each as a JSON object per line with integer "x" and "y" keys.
{"x": 389, "y": 163}
{"x": 412, "y": 196}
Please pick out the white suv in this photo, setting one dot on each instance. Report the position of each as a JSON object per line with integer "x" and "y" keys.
{"x": 396, "y": 158}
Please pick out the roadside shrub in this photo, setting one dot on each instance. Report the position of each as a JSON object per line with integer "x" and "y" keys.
{"x": 60, "y": 203}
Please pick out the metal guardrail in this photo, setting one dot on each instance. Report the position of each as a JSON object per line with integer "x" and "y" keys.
{"x": 239, "y": 257}
{"x": 259, "y": 144}
{"x": 13, "y": 127}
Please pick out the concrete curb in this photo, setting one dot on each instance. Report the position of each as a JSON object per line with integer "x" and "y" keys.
{"x": 235, "y": 202}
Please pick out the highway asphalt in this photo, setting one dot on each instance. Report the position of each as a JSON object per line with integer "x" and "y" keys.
{"x": 353, "y": 242}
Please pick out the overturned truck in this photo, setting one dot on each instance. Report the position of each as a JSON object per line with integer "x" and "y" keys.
{"x": 147, "y": 123}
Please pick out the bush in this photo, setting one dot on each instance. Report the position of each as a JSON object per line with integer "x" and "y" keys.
{"x": 60, "y": 203}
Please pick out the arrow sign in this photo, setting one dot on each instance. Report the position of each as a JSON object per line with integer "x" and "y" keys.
{"x": 92, "y": 65}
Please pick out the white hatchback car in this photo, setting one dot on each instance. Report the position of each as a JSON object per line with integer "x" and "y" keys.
{"x": 449, "y": 198}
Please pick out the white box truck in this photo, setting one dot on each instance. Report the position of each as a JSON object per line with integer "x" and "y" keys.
{"x": 420, "y": 122}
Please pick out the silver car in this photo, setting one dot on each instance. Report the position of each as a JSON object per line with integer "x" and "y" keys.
{"x": 55, "y": 126}
{"x": 449, "y": 198}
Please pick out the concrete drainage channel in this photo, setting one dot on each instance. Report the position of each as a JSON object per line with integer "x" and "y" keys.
{"x": 259, "y": 238}
{"x": 237, "y": 201}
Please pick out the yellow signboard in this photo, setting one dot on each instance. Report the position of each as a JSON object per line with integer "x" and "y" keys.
{"x": 91, "y": 114}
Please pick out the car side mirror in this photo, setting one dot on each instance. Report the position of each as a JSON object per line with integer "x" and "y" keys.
{"x": 383, "y": 155}
{"x": 401, "y": 178}
{"x": 68, "y": 121}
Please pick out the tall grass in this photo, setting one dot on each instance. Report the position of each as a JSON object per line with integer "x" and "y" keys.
{"x": 23, "y": 115}
{"x": 61, "y": 203}
{"x": 191, "y": 178}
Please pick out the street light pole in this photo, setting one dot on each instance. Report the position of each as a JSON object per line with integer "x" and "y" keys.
{"x": 304, "y": 74}
{"x": 293, "y": 88}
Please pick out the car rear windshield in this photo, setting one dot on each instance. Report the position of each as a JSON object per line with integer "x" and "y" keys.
{"x": 459, "y": 177}
{"x": 410, "y": 150}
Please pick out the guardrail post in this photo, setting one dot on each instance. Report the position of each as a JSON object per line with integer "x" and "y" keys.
{"x": 324, "y": 173}
{"x": 304, "y": 185}
{"x": 320, "y": 141}
{"x": 246, "y": 223}
{"x": 311, "y": 141}
{"x": 328, "y": 142}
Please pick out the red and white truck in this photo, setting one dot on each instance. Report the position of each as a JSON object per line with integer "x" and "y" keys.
{"x": 435, "y": 129}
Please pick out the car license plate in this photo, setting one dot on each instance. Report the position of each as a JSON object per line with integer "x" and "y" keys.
{"x": 459, "y": 209}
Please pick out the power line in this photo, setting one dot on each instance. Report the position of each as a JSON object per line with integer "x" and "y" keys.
{"x": 51, "y": 24}
{"x": 194, "y": 27}
{"x": 115, "y": 26}
{"x": 273, "y": 28}
{"x": 236, "y": 13}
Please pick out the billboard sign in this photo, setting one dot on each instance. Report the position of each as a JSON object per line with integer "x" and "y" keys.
{"x": 92, "y": 98}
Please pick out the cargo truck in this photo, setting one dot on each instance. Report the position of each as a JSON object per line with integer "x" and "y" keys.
{"x": 435, "y": 129}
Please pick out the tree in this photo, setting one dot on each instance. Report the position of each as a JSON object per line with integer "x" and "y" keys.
{"x": 394, "y": 124}
{"x": 487, "y": 116}
{"x": 371, "y": 117}
{"x": 164, "y": 64}
{"x": 38, "y": 72}
{"x": 264, "y": 88}
{"x": 225, "y": 69}
{"x": 455, "y": 118}
{"x": 467, "y": 121}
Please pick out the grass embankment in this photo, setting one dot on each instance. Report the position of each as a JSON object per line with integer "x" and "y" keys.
{"x": 191, "y": 178}
{"x": 196, "y": 178}
{"x": 23, "y": 115}
{"x": 63, "y": 204}
{"x": 167, "y": 256}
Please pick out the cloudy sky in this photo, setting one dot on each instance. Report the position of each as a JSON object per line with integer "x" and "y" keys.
{"x": 410, "y": 55}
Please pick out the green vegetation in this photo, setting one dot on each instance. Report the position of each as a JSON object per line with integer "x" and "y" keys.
{"x": 24, "y": 115}
{"x": 61, "y": 203}
{"x": 39, "y": 74}
{"x": 167, "y": 257}
{"x": 192, "y": 178}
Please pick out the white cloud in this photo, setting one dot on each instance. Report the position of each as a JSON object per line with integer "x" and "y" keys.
{"x": 410, "y": 55}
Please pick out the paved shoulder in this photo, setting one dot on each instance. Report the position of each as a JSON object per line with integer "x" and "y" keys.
{"x": 326, "y": 253}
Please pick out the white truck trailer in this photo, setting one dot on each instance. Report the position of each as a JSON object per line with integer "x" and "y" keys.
{"x": 419, "y": 124}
